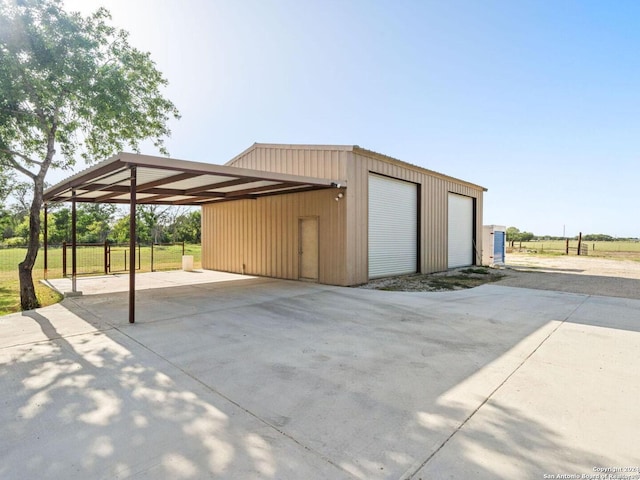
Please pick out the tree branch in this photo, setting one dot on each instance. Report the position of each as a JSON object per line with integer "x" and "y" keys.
{"x": 21, "y": 155}
{"x": 16, "y": 165}
{"x": 51, "y": 147}
{"x": 26, "y": 113}
{"x": 35, "y": 99}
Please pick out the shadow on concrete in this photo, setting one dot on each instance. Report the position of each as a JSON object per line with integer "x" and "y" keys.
{"x": 532, "y": 268}
{"x": 276, "y": 379}
{"x": 99, "y": 406}
{"x": 572, "y": 283}
{"x": 479, "y": 445}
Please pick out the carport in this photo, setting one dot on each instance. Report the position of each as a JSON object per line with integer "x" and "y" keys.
{"x": 134, "y": 179}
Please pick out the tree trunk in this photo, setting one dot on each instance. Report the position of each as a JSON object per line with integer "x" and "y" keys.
{"x": 28, "y": 299}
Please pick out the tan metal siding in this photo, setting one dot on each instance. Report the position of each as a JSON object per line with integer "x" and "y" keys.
{"x": 260, "y": 237}
{"x": 434, "y": 193}
{"x": 357, "y": 225}
{"x": 263, "y": 234}
{"x": 325, "y": 163}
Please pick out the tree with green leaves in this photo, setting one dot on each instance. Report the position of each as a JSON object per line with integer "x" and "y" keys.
{"x": 70, "y": 87}
{"x": 187, "y": 227}
{"x": 120, "y": 230}
{"x": 6, "y": 184}
{"x": 59, "y": 226}
{"x": 515, "y": 235}
{"x": 94, "y": 221}
{"x": 597, "y": 237}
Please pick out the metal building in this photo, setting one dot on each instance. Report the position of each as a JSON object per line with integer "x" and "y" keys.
{"x": 387, "y": 218}
{"x": 494, "y": 243}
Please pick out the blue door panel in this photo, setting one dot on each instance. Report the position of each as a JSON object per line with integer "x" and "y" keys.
{"x": 498, "y": 246}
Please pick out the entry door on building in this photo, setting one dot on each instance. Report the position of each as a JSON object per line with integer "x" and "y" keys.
{"x": 308, "y": 248}
{"x": 498, "y": 246}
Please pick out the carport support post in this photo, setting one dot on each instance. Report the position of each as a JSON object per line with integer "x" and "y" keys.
{"x": 132, "y": 248}
{"x": 46, "y": 263}
{"x": 106, "y": 258}
{"x": 73, "y": 241}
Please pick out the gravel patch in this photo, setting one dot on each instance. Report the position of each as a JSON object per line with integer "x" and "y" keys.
{"x": 577, "y": 265}
{"x": 572, "y": 274}
{"x": 454, "y": 279}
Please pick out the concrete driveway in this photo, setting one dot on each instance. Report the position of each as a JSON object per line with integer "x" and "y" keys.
{"x": 262, "y": 378}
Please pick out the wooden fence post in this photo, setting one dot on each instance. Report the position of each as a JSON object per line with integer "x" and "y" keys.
{"x": 579, "y": 242}
{"x": 566, "y": 251}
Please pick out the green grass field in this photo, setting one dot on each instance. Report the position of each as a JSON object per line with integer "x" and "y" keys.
{"x": 89, "y": 260}
{"x": 613, "y": 250}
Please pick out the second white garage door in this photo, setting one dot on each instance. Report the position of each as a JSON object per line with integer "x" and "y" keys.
{"x": 393, "y": 226}
{"x": 460, "y": 230}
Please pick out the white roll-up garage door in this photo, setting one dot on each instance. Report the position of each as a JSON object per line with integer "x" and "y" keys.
{"x": 460, "y": 230}
{"x": 393, "y": 226}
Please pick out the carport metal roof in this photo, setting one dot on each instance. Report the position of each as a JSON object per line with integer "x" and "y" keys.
{"x": 167, "y": 181}
{"x": 132, "y": 179}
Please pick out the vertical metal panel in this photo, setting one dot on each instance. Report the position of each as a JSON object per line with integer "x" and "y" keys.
{"x": 309, "y": 161}
{"x": 262, "y": 235}
{"x": 479, "y": 220}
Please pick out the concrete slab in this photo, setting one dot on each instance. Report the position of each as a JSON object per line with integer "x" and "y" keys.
{"x": 100, "y": 406}
{"x": 101, "y": 284}
{"x": 571, "y": 409}
{"x": 261, "y": 378}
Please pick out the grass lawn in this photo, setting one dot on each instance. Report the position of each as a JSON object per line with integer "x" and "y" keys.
{"x": 90, "y": 260}
{"x": 10, "y": 294}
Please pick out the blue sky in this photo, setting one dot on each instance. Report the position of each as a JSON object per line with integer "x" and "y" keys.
{"x": 539, "y": 101}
